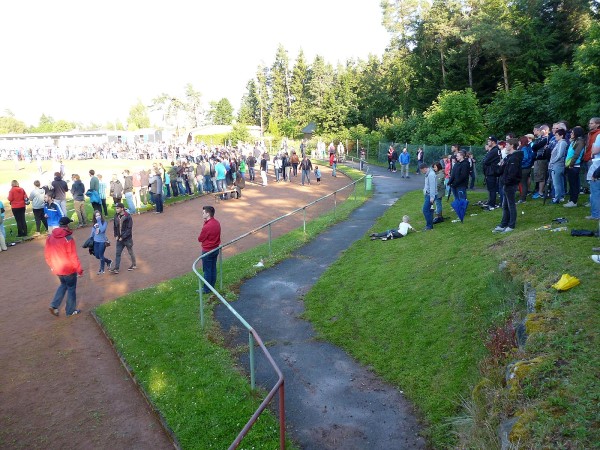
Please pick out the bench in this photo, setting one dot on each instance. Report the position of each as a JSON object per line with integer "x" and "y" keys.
{"x": 231, "y": 193}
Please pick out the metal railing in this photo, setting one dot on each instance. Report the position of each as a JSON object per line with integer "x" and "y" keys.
{"x": 253, "y": 336}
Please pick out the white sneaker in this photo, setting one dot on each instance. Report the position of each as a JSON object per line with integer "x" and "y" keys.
{"x": 508, "y": 230}
{"x": 498, "y": 229}
{"x": 570, "y": 204}
{"x": 596, "y": 258}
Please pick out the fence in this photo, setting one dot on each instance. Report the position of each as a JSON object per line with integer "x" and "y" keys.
{"x": 253, "y": 336}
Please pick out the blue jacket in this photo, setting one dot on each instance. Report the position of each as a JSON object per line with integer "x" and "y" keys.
{"x": 404, "y": 158}
{"x": 54, "y": 213}
{"x": 94, "y": 196}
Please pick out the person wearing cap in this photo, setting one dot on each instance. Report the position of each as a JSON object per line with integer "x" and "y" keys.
{"x": 123, "y": 231}
{"x": 61, "y": 256}
{"x": 490, "y": 170}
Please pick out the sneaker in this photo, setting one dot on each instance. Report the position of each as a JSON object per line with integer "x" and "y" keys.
{"x": 384, "y": 239}
{"x": 587, "y": 205}
{"x": 508, "y": 230}
{"x": 536, "y": 195}
{"x": 132, "y": 268}
{"x": 74, "y": 313}
{"x": 115, "y": 271}
{"x": 100, "y": 272}
{"x": 596, "y": 258}
{"x": 570, "y": 204}
{"x": 499, "y": 229}
{"x": 109, "y": 265}
{"x": 53, "y": 311}
{"x": 520, "y": 202}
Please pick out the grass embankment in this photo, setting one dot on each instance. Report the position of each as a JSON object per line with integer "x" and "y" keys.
{"x": 421, "y": 311}
{"x": 191, "y": 378}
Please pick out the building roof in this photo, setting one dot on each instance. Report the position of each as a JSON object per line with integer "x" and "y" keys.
{"x": 310, "y": 128}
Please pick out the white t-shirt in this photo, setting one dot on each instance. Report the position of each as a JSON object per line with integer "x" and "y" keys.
{"x": 595, "y": 162}
{"x": 404, "y": 227}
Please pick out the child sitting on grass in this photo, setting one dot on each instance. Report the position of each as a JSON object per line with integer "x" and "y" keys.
{"x": 394, "y": 234}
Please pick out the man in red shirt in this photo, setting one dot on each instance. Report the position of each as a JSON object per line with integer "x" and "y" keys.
{"x": 61, "y": 256}
{"x": 210, "y": 238}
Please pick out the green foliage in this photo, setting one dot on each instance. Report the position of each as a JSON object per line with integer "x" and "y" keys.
{"x": 517, "y": 110}
{"x": 239, "y": 133}
{"x": 453, "y": 117}
{"x": 8, "y": 124}
{"x": 138, "y": 117}
{"x": 221, "y": 112}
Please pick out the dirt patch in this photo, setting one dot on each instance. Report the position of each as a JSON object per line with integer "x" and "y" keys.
{"x": 61, "y": 384}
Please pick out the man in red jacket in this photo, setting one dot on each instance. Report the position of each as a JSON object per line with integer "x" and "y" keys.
{"x": 61, "y": 256}
{"x": 210, "y": 238}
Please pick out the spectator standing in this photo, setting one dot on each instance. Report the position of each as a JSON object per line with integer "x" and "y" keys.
{"x": 116, "y": 190}
{"x": 52, "y": 212}
{"x": 60, "y": 188}
{"x": 2, "y": 211}
{"x": 102, "y": 194}
{"x": 306, "y": 167}
{"x": 556, "y": 165}
{"x": 128, "y": 191}
{"x": 510, "y": 176}
{"x": 251, "y": 163}
{"x": 295, "y": 160}
{"x": 593, "y": 173}
{"x": 95, "y": 186}
{"x": 404, "y": 163}
{"x": 18, "y": 202}
{"x": 61, "y": 256}
{"x": 144, "y": 183}
{"x": 123, "y": 232}
{"x": 78, "y": 193}
{"x": 333, "y": 164}
{"x": 263, "y": 170}
{"x": 490, "y": 170}
{"x": 573, "y": 164}
{"x": 156, "y": 191}
{"x": 420, "y": 158}
{"x": 210, "y": 239}
{"x": 429, "y": 193}
{"x": 526, "y": 165}
{"x": 459, "y": 176}
{"x": 37, "y": 198}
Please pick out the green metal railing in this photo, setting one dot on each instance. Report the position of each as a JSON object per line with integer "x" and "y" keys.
{"x": 253, "y": 337}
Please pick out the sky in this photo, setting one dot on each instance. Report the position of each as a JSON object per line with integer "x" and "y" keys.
{"x": 86, "y": 61}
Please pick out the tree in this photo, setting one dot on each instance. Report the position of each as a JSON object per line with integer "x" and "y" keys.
{"x": 239, "y": 133}
{"x": 263, "y": 95}
{"x": 299, "y": 90}
{"x": 221, "y": 112}
{"x": 401, "y": 17}
{"x": 138, "y": 117}
{"x": 193, "y": 106}
{"x": 455, "y": 116}
{"x": 249, "y": 112}
{"x": 279, "y": 85}
{"x": 9, "y": 125}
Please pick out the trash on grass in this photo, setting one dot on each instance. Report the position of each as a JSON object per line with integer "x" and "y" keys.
{"x": 566, "y": 282}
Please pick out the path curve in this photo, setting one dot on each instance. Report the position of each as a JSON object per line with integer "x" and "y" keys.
{"x": 61, "y": 384}
{"x": 331, "y": 401}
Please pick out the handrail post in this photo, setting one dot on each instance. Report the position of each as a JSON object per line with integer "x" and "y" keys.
{"x": 304, "y": 219}
{"x": 270, "y": 251}
{"x": 221, "y": 268}
{"x": 251, "y": 355}
{"x": 200, "y": 287}
{"x": 334, "y": 203}
{"x": 282, "y": 416}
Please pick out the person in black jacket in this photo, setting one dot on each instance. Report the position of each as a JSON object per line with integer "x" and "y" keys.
{"x": 510, "y": 176}
{"x": 459, "y": 176}
{"x": 490, "y": 170}
{"x": 123, "y": 229}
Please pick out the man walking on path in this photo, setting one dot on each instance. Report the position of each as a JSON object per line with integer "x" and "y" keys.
{"x": 123, "y": 227}
{"x": 61, "y": 255}
{"x": 210, "y": 238}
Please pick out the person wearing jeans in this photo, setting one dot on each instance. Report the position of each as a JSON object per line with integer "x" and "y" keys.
{"x": 210, "y": 239}
{"x": 510, "y": 168}
{"x": 61, "y": 256}
{"x": 430, "y": 193}
{"x": 557, "y": 165}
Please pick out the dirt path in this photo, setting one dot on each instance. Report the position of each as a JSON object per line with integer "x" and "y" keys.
{"x": 61, "y": 385}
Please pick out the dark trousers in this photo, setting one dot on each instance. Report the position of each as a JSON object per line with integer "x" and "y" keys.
{"x": 492, "y": 187}
{"x": 104, "y": 207}
{"x": 209, "y": 266}
{"x": 574, "y": 183}
{"x": 158, "y": 201}
{"x": 19, "y": 214}
{"x": 174, "y": 189}
{"x": 97, "y": 207}
{"x": 128, "y": 244}
{"x": 38, "y": 214}
{"x": 509, "y": 208}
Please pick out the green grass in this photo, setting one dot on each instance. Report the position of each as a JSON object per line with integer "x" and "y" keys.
{"x": 188, "y": 373}
{"x": 420, "y": 309}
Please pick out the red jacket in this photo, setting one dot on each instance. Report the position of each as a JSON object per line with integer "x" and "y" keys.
{"x": 16, "y": 197}
{"x": 61, "y": 253}
{"x": 587, "y": 156}
{"x": 210, "y": 236}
